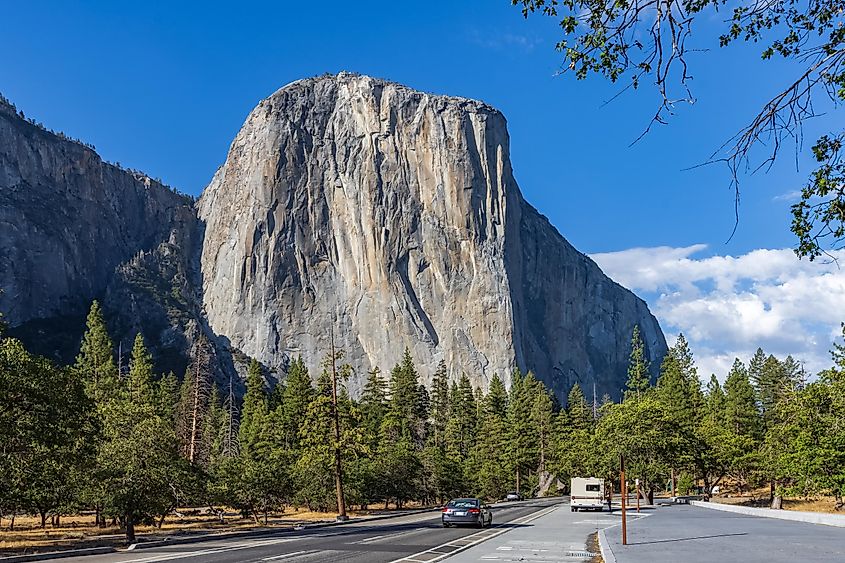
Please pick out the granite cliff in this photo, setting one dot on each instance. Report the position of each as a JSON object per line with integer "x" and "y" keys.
{"x": 346, "y": 204}
{"x": 392, "y": 217}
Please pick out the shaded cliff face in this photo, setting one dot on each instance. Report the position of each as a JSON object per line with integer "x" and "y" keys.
{"x": 74, "y": 228}
{"x": 392, "y": 218}
{"x": 68, "y": 219}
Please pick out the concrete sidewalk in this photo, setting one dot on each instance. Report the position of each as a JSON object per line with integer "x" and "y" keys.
{"x": 686, "y": 533}
{"x": 558, "y": 535}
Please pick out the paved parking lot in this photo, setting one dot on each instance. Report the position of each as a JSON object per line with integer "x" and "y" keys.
{"x": 673, "y": 533}
{"x": 557, "y": 536}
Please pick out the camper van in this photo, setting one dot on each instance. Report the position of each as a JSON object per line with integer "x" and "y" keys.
{"x": 586, "y": 493}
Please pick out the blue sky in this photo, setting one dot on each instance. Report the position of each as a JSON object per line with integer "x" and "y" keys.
{"x": 164, "y": 87}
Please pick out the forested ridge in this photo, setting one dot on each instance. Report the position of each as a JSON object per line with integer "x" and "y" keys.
{"x": 133, "y": 445}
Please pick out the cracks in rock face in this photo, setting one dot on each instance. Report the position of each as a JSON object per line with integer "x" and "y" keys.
{"x": 419, "y": 313}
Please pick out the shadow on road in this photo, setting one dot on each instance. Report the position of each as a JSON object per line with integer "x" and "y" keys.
{"x": 688, "y": 539}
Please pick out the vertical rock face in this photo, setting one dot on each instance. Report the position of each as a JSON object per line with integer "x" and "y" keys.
{"x": 392, "y": 218}
{"x": 74, "y": 228}
{"x": 68, "y": 219}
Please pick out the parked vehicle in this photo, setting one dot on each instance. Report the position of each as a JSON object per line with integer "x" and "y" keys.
{"x": 470, "y": 511}
{"x": 587, "y": 493}
{"x": 514, "y": 496}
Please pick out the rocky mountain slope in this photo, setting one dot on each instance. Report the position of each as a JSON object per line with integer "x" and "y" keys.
{"x": 392, "y": 217}
{"x": 74, "y": 228}
{"x": 347, "y": 205}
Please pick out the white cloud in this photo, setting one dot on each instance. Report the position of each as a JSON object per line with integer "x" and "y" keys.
{"x": 727, "y": 306}
{"x": 788, "y": 196}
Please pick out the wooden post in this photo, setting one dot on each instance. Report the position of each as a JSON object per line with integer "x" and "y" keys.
{"x": 638, "y": 495}
{"x": 624, "y": 494}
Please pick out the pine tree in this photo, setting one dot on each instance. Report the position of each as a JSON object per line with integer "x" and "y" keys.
{"x": 489, "y": 455}
{"x": 95, "y": 362}
{"x": 674, "y": 391}
{"x": 522, "y": 436}
{"x": 231, "y": 423}
{"x": 140, "y": 384}
{"x": 579, "y": 416}
{"x": 715, "y": 402}
{"x": 138, "y": 466}
{"x": 194, "y": 405}
{"x": 496, "y": 401}
{"x": 440, "y": 405}
{"x": 213, "y": 428}
{"x": 739, "y": 407}
{"x": 773, "y": 382}
{"x": 254, "y": 412}
{"x": 461, "y": 428}
{"x": 374, "y": 404}
{"x": 167, "y": 397}
{"x": 298, "y": 394}
{"x": 755, "y": 375}
{"x": 542, "y": 416}
{"x": 403, "y": 419}
{"x": 638, "y": 375}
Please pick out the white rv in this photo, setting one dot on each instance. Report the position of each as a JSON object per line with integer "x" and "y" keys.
{"x": 587, "y": 493}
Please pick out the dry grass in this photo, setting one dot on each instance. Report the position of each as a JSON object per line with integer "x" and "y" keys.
{"x": 80, "y": 530}
{"x": 760, "y": 498}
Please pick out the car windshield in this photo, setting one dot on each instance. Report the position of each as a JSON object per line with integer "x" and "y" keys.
{"x": 463, "y": 503}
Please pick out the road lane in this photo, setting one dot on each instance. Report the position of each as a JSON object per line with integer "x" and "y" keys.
{"x": 376, "y": 541}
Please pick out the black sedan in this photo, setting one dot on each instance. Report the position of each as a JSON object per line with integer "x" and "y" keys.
{"x": 470, "y": 511}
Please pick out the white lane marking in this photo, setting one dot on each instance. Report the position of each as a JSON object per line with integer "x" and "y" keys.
{"x": 368, "y": 540}
{"x": 199, "y": 553}
{"x": 499, "y": 531}
{"x": 285, "y": 556}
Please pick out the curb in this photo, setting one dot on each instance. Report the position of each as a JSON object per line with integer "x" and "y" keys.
{"x": 58, "y": 554}
{"x": 794, "y": 515}
{"x": 604, "y": 548}
{"x": 177, "y": 540}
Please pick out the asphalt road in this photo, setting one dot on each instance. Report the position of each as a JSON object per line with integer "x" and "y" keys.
{"x": 417, "y": 537}
{"x": 700, "y": 535}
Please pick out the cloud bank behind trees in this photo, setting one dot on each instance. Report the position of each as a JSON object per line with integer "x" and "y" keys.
{"x": 728, "y": 306}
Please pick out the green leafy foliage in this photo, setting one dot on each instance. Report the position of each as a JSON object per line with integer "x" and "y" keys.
{"x": 648, "y": 42}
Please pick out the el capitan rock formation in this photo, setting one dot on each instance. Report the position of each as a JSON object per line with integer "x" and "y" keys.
{"x": 348, "y": 203}
{"x": 394, "y": 216}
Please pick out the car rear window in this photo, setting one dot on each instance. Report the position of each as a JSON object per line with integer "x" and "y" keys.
{"x": 594, "y": 488}
{"x": 462, "y": 503}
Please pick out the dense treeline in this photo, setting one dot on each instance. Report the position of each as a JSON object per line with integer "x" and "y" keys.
{"x": 132, "y": 446}
{"x": 766, "y": 425}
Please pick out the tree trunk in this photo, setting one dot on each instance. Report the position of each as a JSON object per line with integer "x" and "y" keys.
{"x": 839, "y": 504}
{"x": 771, "y": 491}
{"x": 517, "y": 480}
{"x": 43, "y": 514}
{"x": 650, "y": 494}
{"x": 161, "y": 520}
{"x": 130, "y": 528}
{"x": 386, "y": 503}
{"x": 12, "y": 522}
{"x": 265, "y": 516}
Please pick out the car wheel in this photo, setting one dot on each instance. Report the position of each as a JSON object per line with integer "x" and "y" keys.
{"x": 446, "y": 524}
